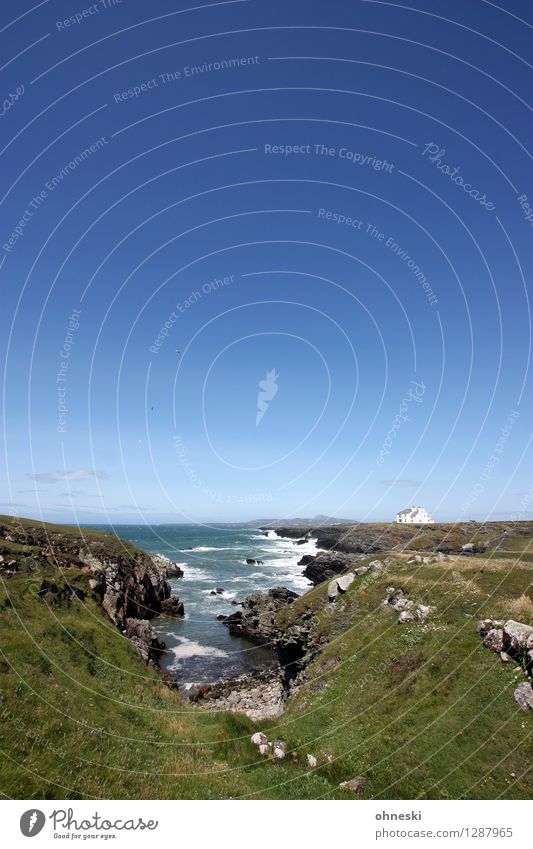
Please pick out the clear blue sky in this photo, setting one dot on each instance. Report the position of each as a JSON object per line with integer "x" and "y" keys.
{"x": 172, "y": 148}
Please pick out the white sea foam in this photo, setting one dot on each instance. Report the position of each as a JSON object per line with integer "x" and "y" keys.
{"x": 190, "y": 648}
{"x": 196, "y": 573}
{"x": 226, "y": 595}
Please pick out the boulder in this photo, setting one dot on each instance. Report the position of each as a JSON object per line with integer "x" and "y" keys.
{"x": 172, "y": 607}
{"x": 145, "y": 640}
{"x": 516, "y": 635}
{"x": 484, "y": 627}
{"x": 403, "y": 603}
{"x": 405, "y": 616}
{"x": 493, "y": 640}
{"x": 327, "y": 564}
{"x": 311, "y": 761}
{"x": 257, "y": 620}
{"x": 264, "y": 749}
{"x": 333, "y": 590}
{"x": 375, "y": 566}
{"x": 361, "y": 570}
{"x": 259, "y": 739}
{"x": 345, "y": 581}
{"x": 468, "y": 547}
{"x": 356, "y": 785}
{"x": 279, "y": 750}
{"x": 421, "y": 612}
{"x": 524, "y": 695}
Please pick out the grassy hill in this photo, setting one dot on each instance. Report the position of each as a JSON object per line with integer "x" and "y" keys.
{"x": 421, "y": 710}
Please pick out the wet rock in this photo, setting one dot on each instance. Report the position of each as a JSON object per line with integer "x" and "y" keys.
{"x": 172, "y": 607}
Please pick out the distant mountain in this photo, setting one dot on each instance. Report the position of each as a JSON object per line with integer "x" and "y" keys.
{"x": 316, "y": 520}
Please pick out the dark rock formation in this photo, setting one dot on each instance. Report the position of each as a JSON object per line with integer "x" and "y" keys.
{"x": 256, "y": 621}
{"x": 172, "y": 607}
{"x": 326, "y": 565}
{"x": 145, "y": 640}
{"x": 59, "y": 595}
{"x": 168, "y": 568}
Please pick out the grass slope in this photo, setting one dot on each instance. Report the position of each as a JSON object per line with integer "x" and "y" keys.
{"x": 420, "y": 710}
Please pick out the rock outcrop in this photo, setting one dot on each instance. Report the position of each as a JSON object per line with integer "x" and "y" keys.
{"x": 326, "y": 565}
{"x": 131, "y": 586}
{"x": 145, "y": 640}
{"x": 256, "y": 621}
{"x": 513, "y": 641}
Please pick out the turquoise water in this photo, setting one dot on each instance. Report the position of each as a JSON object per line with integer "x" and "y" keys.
{"x": 200, "y": 648}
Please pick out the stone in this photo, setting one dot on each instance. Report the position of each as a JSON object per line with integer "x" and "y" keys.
{"x": 279, "y": 750}
{"x": 361, "y": 570}
{"x": 524, "y": 695}
{"x": 259, "y": 739}
{"x": 172, "y": 607}
{"x": 493, "y": 640}
{"x": 505, "y": 658}
{"x": 345, "y": 581}
{"x": 145, "y": 640}
{"x": 468, "y": 547}
{"x": 484, "y": 627}
{"x": 356, "y": 785}
{"x": 264, "y": 749}
{"x": 516, "y": 635}
{"x": 421, "y": 612}
{"x": 311, "y": 761}
{"x": 327, "y": 565}
{"x": 405, "y": 616}
{"x": 333, "y": 590}
{"x": 375, "y": 566}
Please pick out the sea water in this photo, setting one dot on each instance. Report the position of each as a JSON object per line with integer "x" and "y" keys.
{"x": 199, "y": 648}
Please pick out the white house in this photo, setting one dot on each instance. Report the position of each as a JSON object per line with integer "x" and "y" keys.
{"x": 414, "y": 516}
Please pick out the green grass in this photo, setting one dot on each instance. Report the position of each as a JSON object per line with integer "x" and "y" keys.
{"x": 421, "y": 711}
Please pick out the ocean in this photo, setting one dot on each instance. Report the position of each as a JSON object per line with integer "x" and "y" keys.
{"x": 199, "y": 649}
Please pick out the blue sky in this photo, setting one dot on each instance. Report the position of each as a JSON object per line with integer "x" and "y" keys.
{"x": 332, "y": 193}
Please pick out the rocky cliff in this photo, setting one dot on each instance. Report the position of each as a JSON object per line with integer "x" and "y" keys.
{"x": 130, "y": 585}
